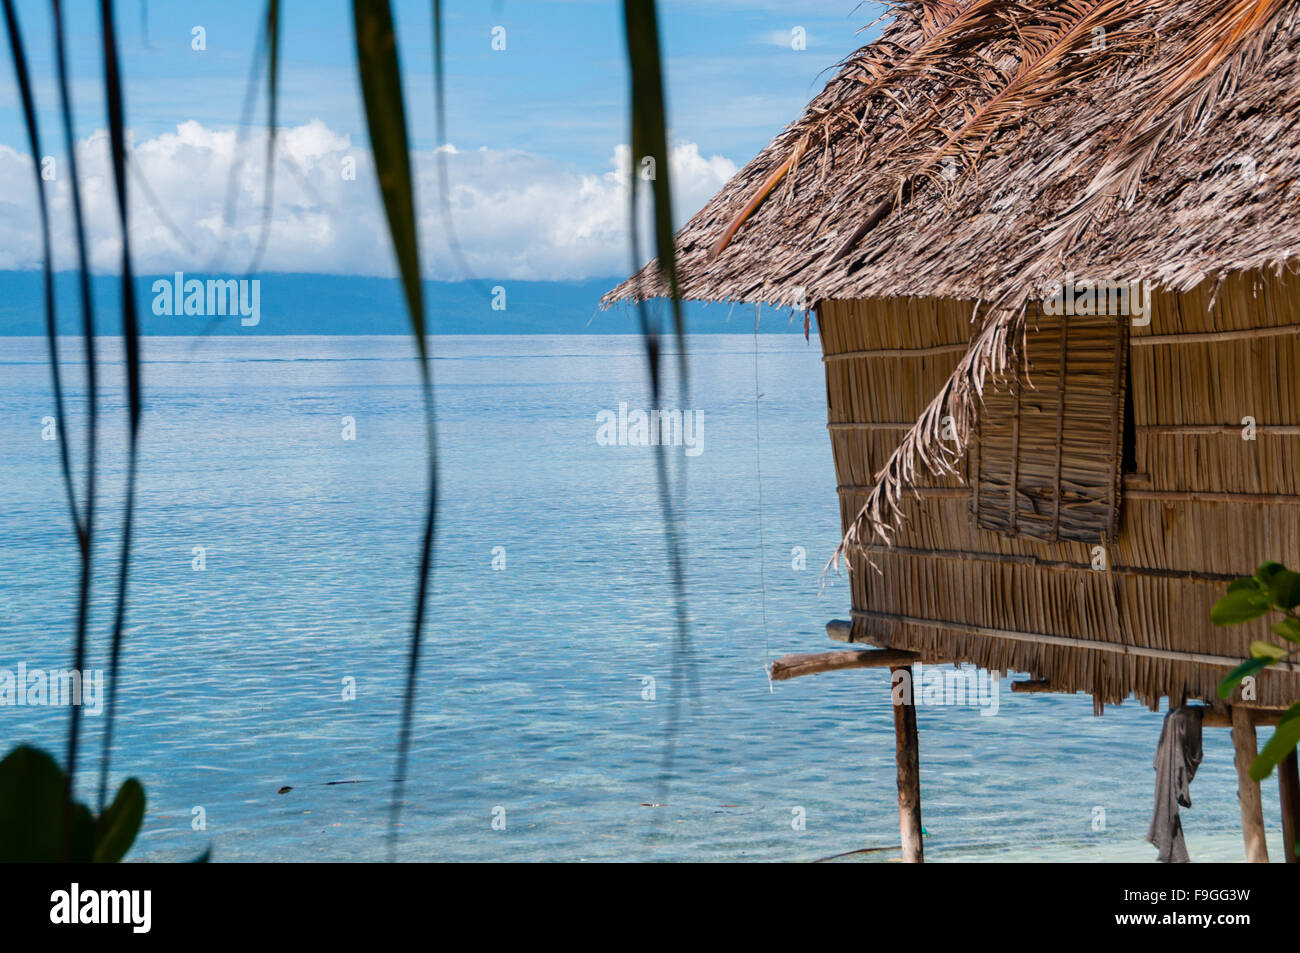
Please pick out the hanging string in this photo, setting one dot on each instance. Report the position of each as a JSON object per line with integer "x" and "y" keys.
{"x": 758, "y": 470}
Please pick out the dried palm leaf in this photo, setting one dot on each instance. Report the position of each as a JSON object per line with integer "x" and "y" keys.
{"x": 941, "y": 22}
{"x": 1048, "y": 67}
{"x": 1228, "y": 41}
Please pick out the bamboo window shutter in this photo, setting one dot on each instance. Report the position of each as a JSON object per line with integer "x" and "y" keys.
{"x": 1049, "y": 443}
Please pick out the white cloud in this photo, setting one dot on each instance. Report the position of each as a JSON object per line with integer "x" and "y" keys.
{"x": 517, "y": 215}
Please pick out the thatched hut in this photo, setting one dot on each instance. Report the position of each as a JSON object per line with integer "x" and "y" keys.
{"x": 1049, "y": 247}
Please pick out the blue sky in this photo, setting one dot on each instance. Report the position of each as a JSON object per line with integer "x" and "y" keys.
{"x": 544, "y": 116}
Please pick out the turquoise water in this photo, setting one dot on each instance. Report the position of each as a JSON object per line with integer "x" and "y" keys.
{"x": 531, "y": 702}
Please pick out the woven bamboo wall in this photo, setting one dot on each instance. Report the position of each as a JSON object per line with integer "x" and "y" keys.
{"x": 1203, "y": 507}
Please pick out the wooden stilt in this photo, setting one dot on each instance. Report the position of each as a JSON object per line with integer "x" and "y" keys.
{"x": 1252, "y": 810}
{"x": 909, "y": 774}
{"x": 1288, "y": 782}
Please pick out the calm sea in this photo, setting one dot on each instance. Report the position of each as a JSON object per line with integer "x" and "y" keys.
{"x": 547, "y": 683}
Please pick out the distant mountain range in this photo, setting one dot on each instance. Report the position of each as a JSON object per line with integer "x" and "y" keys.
{"x": 333, "y": 304}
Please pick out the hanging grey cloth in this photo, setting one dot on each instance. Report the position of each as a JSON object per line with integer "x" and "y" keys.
{"x": 1177, "y": 755}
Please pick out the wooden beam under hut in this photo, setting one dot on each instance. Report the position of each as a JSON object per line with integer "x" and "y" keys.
{"x": 839, "y": 630}
{"x": 1211, "y": 718}
{"x": 814, "y": 663}
{"x": 1228, "y": 717}
{"x": 1032, "y": 685}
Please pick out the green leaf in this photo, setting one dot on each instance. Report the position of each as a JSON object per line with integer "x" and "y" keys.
{"x": 32, "y": 812}
{"x": 1266, "y": 571}
{"x": 1267, "y": 650}
{"x": 1288, "y": 628}
{"x": 650, "y": 139}
{"x": 36, "y": 827}
{"x": 131, "y": 353}
{"x": 1246, "y": 584}
{"x": 81, "y": 845}
{"x": 1284, "y": 589}
{"x": 381, "y": 92}
{"x": 1242, "y": 671}
{"x": 1278, "y": 747}
{"x": 31, "y": 807}
{"x": 120, "y": 823}
{"x": 1240, "y": 606}
{"x": 272, "y": 98}
{"x": 26, "y": 96}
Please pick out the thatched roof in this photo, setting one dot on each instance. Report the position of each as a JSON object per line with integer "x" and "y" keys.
{"x": 982, "y": 149}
